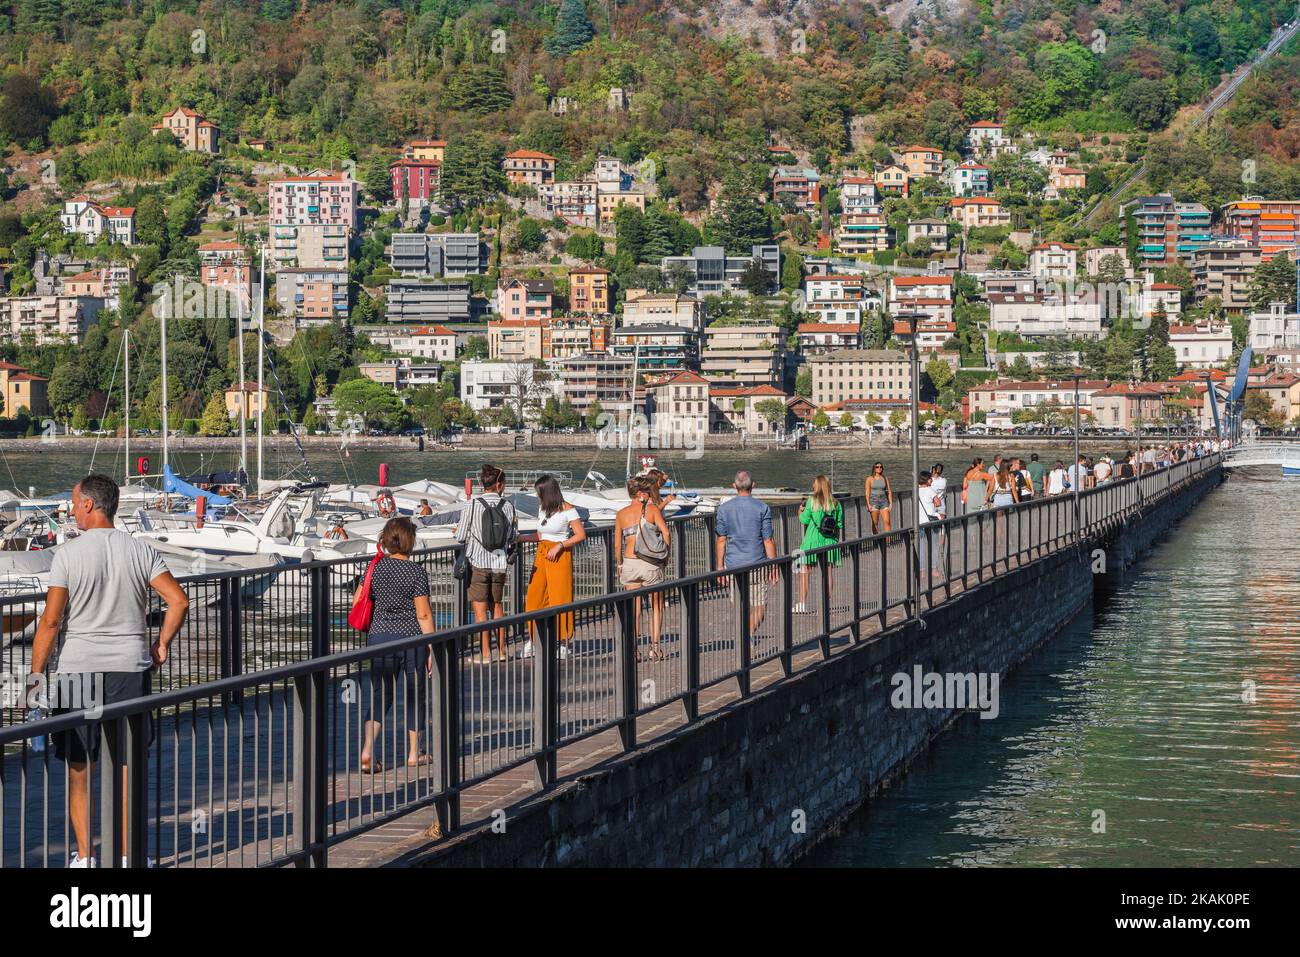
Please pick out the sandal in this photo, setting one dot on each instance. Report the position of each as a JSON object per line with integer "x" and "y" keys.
{"x": 371, "y": 767}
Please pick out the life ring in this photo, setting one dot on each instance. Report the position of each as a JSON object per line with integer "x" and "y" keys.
{"x": 336, "y": 534}
{"x": 385, "y": 505}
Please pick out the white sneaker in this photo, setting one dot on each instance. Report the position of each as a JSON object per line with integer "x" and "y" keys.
{"x": 528, "y": 649}
{"x": 148, "y": 862}
{"x": 79, "y": 862}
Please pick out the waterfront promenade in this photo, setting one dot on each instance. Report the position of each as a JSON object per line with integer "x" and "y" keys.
{"x": 260, "y": 766}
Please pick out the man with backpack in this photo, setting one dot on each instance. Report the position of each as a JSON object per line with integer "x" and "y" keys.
{"x": 487, "y": 529}
{"x": 643, "y": 550}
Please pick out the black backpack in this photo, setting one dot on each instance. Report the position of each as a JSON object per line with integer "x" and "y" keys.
{"x": 494, "y": 527}
{"x": 829, "y": 526}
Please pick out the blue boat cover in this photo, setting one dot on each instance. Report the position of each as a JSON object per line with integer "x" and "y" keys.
{"x": 175, "y": 486}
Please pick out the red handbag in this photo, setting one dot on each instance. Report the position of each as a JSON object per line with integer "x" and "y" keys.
{"x": 363, "y": 609}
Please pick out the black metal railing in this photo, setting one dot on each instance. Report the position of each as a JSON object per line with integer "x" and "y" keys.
{"x": 264, "y": 765}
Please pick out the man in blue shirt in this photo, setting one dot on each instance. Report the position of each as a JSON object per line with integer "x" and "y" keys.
{"x": 744, "y": 528}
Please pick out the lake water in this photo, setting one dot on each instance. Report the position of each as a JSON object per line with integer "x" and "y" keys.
{"x": 1173, "y": 707}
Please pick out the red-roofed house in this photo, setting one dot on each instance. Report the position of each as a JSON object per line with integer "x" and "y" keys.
{"x": 1054, "y": 261}
{"x": 922, "y": 161}
{"x": 435, "y": 150}
{"x": 834, "y": 298}
{"x": 818, "y": 337}
{"x": 530, "y": 167}
{"x": 736, "y": 409}
{"x": 931, "y": 295}
{"x": 91, "y": 220}
{"x": 682, "y": 399}
{"x": 22, "y": 390}
{"x": 975, "y": 212}
{"x": 970, "y": 179}
{"x": 1062, "y": 178}
{"x": 1122, "y": 406}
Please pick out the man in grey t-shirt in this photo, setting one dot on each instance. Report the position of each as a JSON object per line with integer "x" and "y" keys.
{"x": 99, "y": 582}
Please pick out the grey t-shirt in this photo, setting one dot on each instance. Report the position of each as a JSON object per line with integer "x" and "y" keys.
{"x": 107, "y": 574}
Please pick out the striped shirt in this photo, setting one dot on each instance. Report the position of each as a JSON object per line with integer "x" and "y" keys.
{"x": 470, "y": 527}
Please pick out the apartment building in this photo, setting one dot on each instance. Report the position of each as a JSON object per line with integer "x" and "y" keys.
{"x": 589, "y": 291}
{"x": 226, "y": 264}
{"x": 979, "y": 212}
{"x": 47, "y": 320}
{"x": 607, "y": 204}
{"x": 931, "y": 334}
{"x": 861, "y": 232}
{"x": 799, "y": 186}
{"x": 922, "y": 161}
{"x": 318, "y": 198}
{"x": 657, "y": 348}
{"x": 437, "y": 254}
{"x": 525, "y": 298}
{"x": 1004, "y": 397}
{"x": 1125, "y": 406}
{"x": 1274, "y": 328}
{"x": 311, "y": 296}
{"x": 744, "y": 355}
{"x": 893, "y": 180}
{"x": 434, "y": 150}
{"x": 683, "y": 400}
{"x": 102, "y": 282}
{"x": 192, "y": 131}
{"x": 1223, "y": 269}
{"x": 529, "y": 167}
{"x": 860, "y": 374}
{"x": 1201, "y": 345}
{"x": 931, "y": 295}
{"x": 426, "y": 302}
{"x": 736, "y": 409}
{"x": 515, "y": 340}
{"x": 1273, "y": 225}
{"x": 415, "y": 181}
{"x": 1062, "y": 179}
{"x": 573, "y": 200}
{"x": 1157, "y": 296}
{"x": 1092, "y": 259}
{"x": 988, "y": 138}
{"x": 654, "y": 309}
{"x": 934, "y": 230}
{"x": 564, "y": 338}
{"x": 596, "y": 377}
{"x": 1039, "y": 315}
{"x": 1168, "y": 231}
{"x": 491, "y": 385}
{"x": 816, "y": 338}
{"x": 970, "y": 179}
{"x": 1282, "y": 390}
{"x": 430, "y": 343}
{"x": 1055, "y": 261}
{"x": 402, "y": 373}
{"x": 857, "y": 193}
{"x": 834, "y": 298}
{"x": 711, "y": 271}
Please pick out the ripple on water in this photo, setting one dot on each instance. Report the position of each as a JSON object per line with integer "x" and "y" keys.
{"x": 1174, "y": 708}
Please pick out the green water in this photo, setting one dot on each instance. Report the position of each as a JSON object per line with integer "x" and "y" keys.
{"x": 1137, "y": 712}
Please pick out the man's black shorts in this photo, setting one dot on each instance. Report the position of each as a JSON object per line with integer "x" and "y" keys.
{"x": 82, "y": 744}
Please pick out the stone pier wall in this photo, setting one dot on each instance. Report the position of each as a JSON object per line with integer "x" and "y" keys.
{"x": 760, "y": 782}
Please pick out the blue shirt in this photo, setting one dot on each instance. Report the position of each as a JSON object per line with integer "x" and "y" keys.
{"x": 745, "y": 522}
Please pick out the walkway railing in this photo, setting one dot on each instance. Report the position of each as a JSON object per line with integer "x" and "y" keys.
{"x": 264, "y": 766}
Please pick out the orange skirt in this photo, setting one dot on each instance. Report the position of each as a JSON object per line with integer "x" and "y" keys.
{"x": 551, "y": 584}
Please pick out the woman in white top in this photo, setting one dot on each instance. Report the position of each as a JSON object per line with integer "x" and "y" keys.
{"x": 559, "y": 531}
{"x": 1056, "y": 479}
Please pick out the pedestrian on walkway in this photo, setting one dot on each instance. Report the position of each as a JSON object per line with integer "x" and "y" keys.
{"x": 822, "y": 516}
{"x": 927, "y": 553}
{"x": 975, "y": 486}
{"x": 1020, "y": 476}
{"x": 1057, "y": 480}
{"x": 744, "y": 537}
{"x": 1077, "y": 476}
{"x": 939, "y": 486}
{"x": 880, "y": 499}
{"x": 642, "y": 537}
{"x": 399, "y": 588}
{"x": 559, "y": 531}
{"x": 488, "y": 528}
{"x": 1004, "y": 488}
{"x": 99, "y": 584}
{"x": 1037, "y": 471}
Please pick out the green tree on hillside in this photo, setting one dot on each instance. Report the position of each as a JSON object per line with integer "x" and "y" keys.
{"x": 216, "y": 418}
{"x": 573, "y": 30}
{"x": 471, "y": 170}
{"x": 1273, "y": 281}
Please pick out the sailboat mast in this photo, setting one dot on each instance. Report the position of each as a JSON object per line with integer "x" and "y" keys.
{"x": 636, "y": 357}
{"x": 163, "y": 338}
{"x": 126, "y": 404}
{"x": 243, "y": 385}
{"x": 261, "y": 346}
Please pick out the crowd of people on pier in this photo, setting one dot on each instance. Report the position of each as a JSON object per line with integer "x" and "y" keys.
{"x": 100, "y": 583}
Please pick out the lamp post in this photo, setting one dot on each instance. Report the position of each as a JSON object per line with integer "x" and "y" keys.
{"x": 1078, "y": 471}
{"x": 916, "y": 470}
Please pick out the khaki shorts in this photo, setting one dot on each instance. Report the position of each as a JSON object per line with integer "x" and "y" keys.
{"x": 486, "y": 585}
{"x": 638, "y": 571}
{"x": 759, "y": 579}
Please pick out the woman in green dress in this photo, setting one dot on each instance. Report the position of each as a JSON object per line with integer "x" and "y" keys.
{"x": 975, "y": 486}
{"x": 822, "y": 516}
